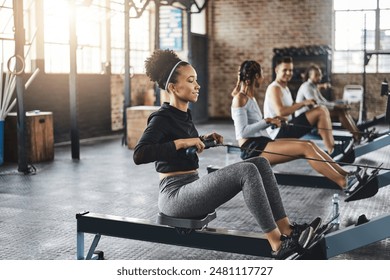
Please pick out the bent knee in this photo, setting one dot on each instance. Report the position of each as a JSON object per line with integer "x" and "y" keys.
{"x": 259, "y": 160}
{"x": 322, "y": 110}
{"x": 310, "y": 143}
{"x": 317, "y": 113}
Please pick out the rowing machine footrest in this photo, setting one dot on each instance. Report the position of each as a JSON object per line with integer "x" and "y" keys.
{"x": 191, "y": 223}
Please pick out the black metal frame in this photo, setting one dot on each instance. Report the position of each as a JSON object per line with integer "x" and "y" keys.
{"x": 249, "y": 243}
{"x": 233, "y": 241}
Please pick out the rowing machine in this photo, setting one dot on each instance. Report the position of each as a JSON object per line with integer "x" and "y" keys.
{"x": 192, "y": 233}
{"x": 219, "y": 239}
{"x": 304, "y": 180}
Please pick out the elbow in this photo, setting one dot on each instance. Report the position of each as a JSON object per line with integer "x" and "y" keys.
{"x": 280, "y": 112}
{"x": 137, "y": 157}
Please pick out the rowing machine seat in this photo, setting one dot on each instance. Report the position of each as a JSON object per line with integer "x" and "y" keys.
{"x": 188, "y": 223}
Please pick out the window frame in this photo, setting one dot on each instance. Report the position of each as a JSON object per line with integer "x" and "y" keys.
{"x": 377, "y": 61}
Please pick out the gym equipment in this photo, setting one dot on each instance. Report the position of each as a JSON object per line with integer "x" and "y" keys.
{"x": 192, "y": 233}
{"x": 375, "y": 179}
{"x": 250, "y": 243}
{"x": 329, "y": 242}
{"x": 382, "y": 139}
{"x": 195, "y": 233}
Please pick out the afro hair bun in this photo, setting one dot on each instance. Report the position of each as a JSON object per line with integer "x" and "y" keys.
{"x": 159, "y": 65}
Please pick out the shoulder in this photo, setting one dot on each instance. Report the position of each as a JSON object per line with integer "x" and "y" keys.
{"x": 239, "y": 100}
{"x": 274, "y": 89}
{"x": 274, "y": 86}
{"x": 305, "y": 85}
{"x": 160, "y": 116}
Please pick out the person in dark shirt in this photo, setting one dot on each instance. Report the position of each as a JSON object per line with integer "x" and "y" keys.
{"x": 182, "y": 193}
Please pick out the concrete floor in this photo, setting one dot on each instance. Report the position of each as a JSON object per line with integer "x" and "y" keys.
{"x": 37, "y": 212}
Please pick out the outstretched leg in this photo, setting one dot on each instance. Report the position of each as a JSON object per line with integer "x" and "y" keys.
{"x": 289, "y": 149}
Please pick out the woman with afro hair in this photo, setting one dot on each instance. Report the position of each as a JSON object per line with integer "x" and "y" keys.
{"x": 182, "y": 193}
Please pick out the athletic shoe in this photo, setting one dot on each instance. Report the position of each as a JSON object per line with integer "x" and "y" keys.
{"x": 305, "y": 237}
{"x": 290, "y": 246}
{"x": 368, "y": 187}
{"x": 353, "y": 176}
{"x": 297, "y": 229}
{"x": 341, "y": 149}
{"x": 356, "y": 178}
{"x": 287, "y": 248}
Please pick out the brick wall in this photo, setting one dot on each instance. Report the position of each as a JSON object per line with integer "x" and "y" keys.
{"x": 251, "y": 29}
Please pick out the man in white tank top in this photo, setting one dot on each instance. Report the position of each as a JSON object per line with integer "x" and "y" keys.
{"x": 278, "y": 102}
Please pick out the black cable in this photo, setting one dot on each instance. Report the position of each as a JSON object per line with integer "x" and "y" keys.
{"x": 192, "y": 150}
{"x": 306, "y": 158}
{"x": 318, "y": 128}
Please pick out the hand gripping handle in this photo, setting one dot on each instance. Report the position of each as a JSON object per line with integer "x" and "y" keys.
{"x": 208, "y": 144}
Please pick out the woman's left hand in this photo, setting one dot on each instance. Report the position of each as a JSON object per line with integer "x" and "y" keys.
{"x": 213, "y": 136}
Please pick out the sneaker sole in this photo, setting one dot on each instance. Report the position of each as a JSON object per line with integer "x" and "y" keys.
{"x": 316, "y": 224}
{"x": 305, "y": 237}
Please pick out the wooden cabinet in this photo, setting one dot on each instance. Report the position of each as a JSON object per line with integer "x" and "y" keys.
{"x": 137, "y": 118}
{"x": 39, "y": 137}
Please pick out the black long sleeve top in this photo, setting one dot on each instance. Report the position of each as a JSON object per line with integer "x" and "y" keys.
{"x": 156, "y": 144}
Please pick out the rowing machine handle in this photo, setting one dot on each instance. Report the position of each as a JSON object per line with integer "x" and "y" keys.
{"x": 282, "y": 124}
{"x": 208, "y": 144}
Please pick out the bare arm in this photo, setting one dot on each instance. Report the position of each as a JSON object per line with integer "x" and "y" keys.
{"x": 284, "y": 111}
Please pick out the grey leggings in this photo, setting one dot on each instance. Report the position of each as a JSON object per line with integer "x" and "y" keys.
{"x": 190, "y": 196}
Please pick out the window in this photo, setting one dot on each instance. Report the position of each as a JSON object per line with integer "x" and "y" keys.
{"x": 89, "y": 25}
{"x": 171, "y": 28}
{"x": 7, "y": 45}
{"x": 359, "y": 24}
{"x": 140, "y": 45}
{"x": 93, "y": 50}
{"x": 91, "y": 37}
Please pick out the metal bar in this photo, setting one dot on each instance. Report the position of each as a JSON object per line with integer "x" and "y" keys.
{"x": 94, "y": 244}
{"x": 127, "y": 83}
{"x": 374, "y": 145}
{"x": 157, "y": 46}
{"x": 365, "y": 62}
{"x": 74, "y": 132}
{"x": 354, "y": 237}
{"x": 21, "y": 114}
{"x": 301, "y": 180}
{"x": 376, "y": 120}
{"x": 339, "y": 135}
{"x": 384, "y": 52}
{"x": 107, "y": 68}
{"x": 384, "y": 179}
{"x": 249, "y": 243}
{"x": 80, "y": 245}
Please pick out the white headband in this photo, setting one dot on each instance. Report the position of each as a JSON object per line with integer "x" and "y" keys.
{"x": 170, "y": 74}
